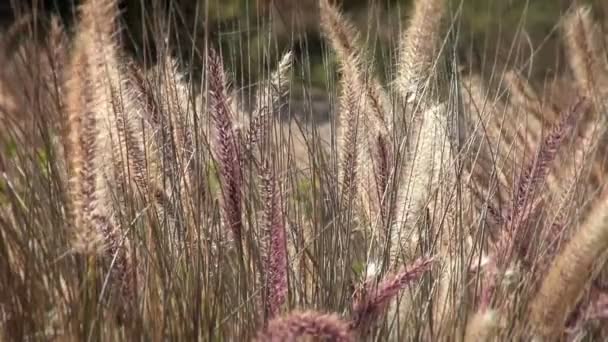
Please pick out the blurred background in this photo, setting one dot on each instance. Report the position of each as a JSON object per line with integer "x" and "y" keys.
{"x": 488, "y": 35}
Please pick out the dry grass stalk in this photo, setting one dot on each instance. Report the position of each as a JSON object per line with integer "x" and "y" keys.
{"x": 492, "y": 156}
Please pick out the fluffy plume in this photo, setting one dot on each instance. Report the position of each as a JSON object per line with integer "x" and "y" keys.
{"x": 421, "y": 175}
{"x": 584, "y": 51}
{"x": 90, "y": 124}
{"x": 525, "y": 196}
{"x": 175, "y": 100}
{"x": 570, "y": 273}
{"x": 586, "y": 56}
{"x": 93, "y": 142}
{"x": 174, "y": 116}
{"x": 327, "y": 327}
{"x": 226, "y": 149}
{"x": 547, "y": 151}
{"x": 364, "y": 145}
{"x": 276, "y": 254}
{"x": 352, "y": 128}
{"x": 419, "y": 46}
{"x": 376, "y": 298}
{"x": 147, "y": 135}
{"x": 483, "y": 326}
{"x": 269, "y": 99}
{"x": 344, "y": 39}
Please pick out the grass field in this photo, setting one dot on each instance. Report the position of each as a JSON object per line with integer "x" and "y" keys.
{"x": 394, "y": 180}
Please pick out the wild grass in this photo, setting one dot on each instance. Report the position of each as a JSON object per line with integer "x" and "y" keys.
{"x": 139, "y": 204}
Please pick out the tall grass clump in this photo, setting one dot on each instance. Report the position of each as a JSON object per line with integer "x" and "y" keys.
{"x": 157, "y": 193}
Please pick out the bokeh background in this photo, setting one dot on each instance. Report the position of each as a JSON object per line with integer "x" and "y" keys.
{"x": 489, "y": 35}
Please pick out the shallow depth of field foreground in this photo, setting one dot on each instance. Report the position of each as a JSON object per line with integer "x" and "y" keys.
{"x": 160, "y": 184}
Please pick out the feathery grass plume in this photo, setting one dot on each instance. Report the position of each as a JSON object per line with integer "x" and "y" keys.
{"x": 344, "y": 40}
{"x": 419, "y": 45}
{"x": 365, "y": 104}
{"x": 275, "y": 269}
{"x": 585, "y": 54}
{"x": 182, "y": 112}
{"x": 445, "y": 210}
{"x": 376, "y": 297}
{"x": 584, "y": 160}
{"x": 327, "y": 327}
{"x": 151, "y": 86}
{"x": 117, "y": 98}
{"x": 133, "y": 164}
{"x": 178, "y": 124}
{"x": 578, "y": 174}
{"x": 547, "y": 151}
{"x": 483, "y": 326}
{"x": 428, "y": 155}
{"x": 526, "y": 190}
{"x": 351, "y": 129}
{"x": 427, "y": 179}
{"x": 87, "y": 128}
{"x": 421, "y": 176}
{"x": 269, "y": 99}
{"x": 92, "y": 140}
{"x": 570, "y": 273}
{"x": 226, "y": 147}
{"x": 174, "y": 97}
{"x": 515, "y": 236}
{"x": 149, "y": 135}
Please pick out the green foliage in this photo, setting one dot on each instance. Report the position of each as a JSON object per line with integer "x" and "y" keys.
{"x": 10, "y": 149}
{"x": 303, "y": 196}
